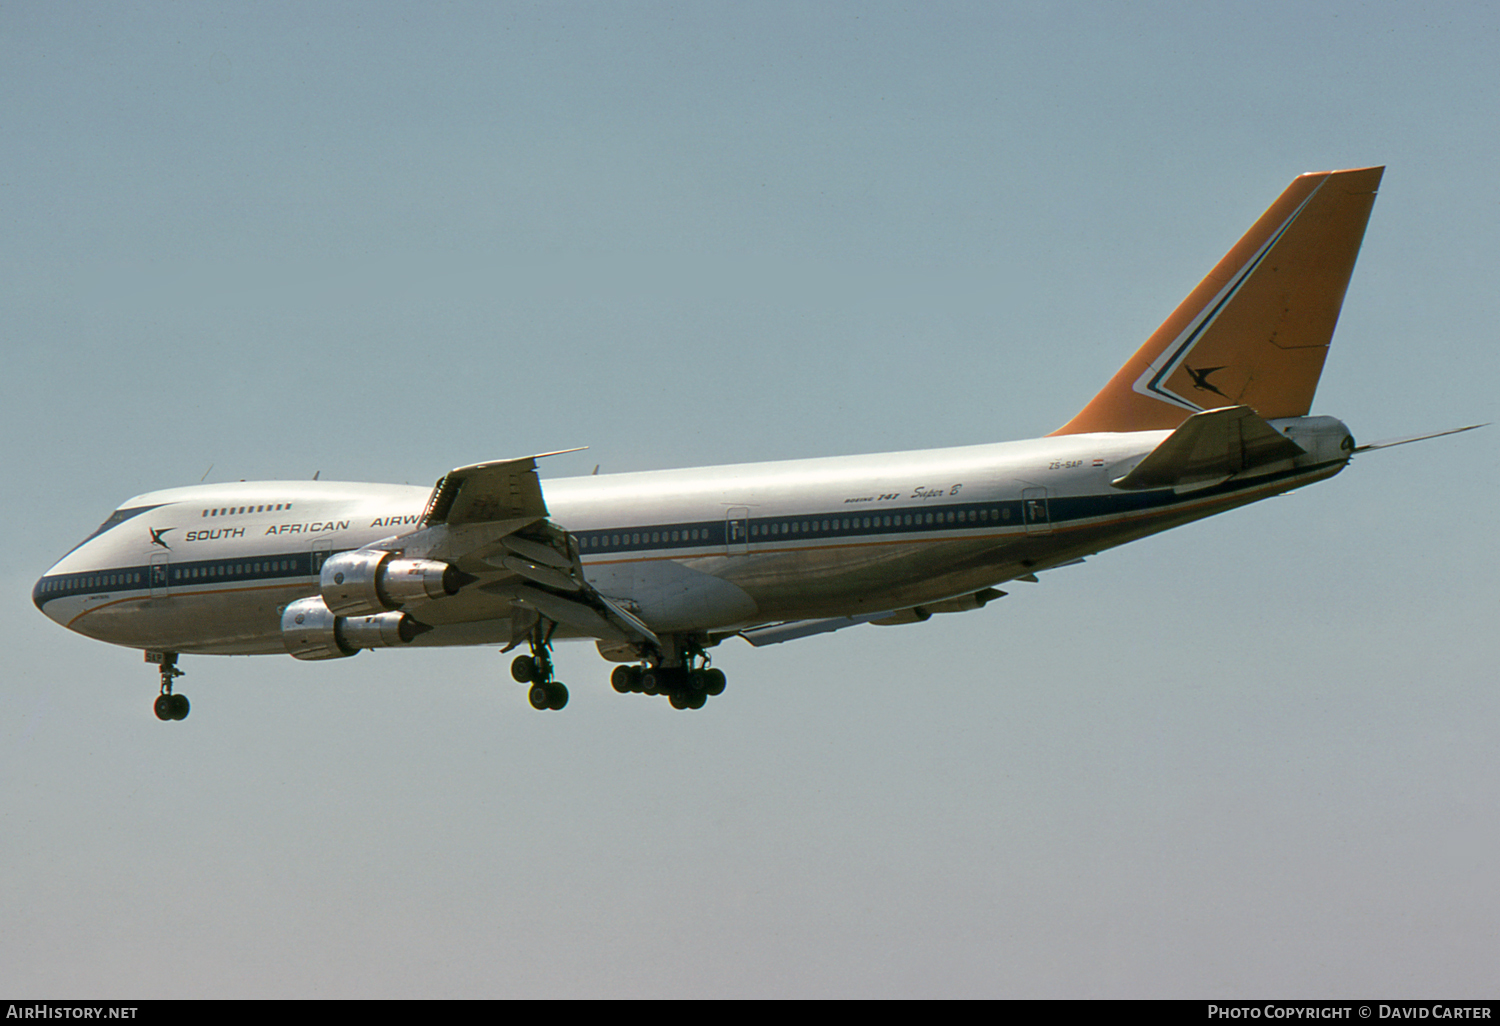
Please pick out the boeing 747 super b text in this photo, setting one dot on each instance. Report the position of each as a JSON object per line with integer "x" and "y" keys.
{"x": 1212, "y": 412}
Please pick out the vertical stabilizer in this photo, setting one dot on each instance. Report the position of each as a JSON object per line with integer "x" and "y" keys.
{"x": 1254, "y": 332}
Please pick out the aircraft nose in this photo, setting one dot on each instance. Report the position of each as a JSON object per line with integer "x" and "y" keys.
{"x": 43, "y": 596}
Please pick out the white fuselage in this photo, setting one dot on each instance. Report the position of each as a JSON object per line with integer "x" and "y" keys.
{"x": 210, "y": 568}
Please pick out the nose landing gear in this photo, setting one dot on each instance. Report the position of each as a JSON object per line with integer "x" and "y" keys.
{"x": 168, "y": 706}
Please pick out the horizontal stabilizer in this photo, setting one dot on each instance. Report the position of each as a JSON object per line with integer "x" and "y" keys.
{"x": 1208, "y": 448}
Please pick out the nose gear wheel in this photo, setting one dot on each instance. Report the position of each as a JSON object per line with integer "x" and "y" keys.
{"x": 168, "y": 706}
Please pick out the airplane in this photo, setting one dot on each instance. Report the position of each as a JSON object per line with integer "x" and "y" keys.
{"x": 658, "y": 568}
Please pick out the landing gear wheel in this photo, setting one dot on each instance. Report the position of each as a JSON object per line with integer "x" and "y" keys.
{"x": 696, "y": 699}
{"x": 625, "y": 679}
{"x": 168, "y": 706}
{"x": 551, "y": 695}
{"x": 678, "y": 700}
{"x": 536, "y": 669}
{"x": 714, "y": 682}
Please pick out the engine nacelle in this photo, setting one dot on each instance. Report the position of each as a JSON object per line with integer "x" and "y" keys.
{"x": 310, "y": 630}
{"x": 370, "y": 581}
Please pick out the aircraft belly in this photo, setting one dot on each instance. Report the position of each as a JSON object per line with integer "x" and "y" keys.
{"x": 866, "y": 578}
{"x": 234, "y": 623}
{"x": 673, "y": 595}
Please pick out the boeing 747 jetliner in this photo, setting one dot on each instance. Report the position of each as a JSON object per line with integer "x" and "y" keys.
{"x": 1212, "y": 412}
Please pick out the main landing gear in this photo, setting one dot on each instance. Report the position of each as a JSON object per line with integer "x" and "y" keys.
{"x": 678, "y": 670}
{"x": 686, "y": 686}
{"x": 536, "y": 670}
{"x": 168, "y": 706}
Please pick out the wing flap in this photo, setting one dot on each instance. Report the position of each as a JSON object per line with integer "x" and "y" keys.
{"x": 775, "y": 634}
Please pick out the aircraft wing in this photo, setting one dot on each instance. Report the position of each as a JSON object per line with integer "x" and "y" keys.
{"x": 776, "y": 633}
{"x": 487, "y": 492}
{"x": 1210, "y": 447}
{"x": 533, "y": 563}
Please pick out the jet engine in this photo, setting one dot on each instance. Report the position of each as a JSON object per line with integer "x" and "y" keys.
{"x": 311, "y": 631}
{"x": 369, "y": 581}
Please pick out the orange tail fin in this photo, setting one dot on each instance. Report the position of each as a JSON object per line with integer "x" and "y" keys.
{"x": 1254, "y": 332}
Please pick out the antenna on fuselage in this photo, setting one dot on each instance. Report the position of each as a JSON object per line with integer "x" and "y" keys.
{"x": 206, "y": 473}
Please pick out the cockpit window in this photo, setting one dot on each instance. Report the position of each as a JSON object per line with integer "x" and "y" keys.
{"x": 116, "y": 518}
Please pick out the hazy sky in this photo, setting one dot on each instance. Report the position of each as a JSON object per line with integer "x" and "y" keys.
{"x": 1253, "y": 757}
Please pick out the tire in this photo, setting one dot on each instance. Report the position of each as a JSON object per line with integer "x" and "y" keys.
{"x": 523, "y": 669}
{"x": 538, "y": 697}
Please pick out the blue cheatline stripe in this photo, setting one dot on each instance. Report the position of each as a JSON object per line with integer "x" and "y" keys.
{"x": 839, "y": 525}
{"x": 908, "y": 521}
{"x": 125, "y": 580}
